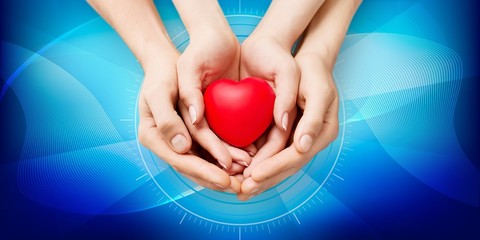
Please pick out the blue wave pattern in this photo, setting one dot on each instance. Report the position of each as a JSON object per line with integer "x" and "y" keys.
{"x": 407, "y": 95}
{"x": 76, "y": 145}
{"x": 399, "y": 85}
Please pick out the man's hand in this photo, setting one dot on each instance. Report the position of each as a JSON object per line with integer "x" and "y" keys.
{"x": 318, "y": 126}
{"x": 160, "y": 128}
{"x": 263, "y": 57}
{"x": 266, "y": 53}
{"x": 164, "y": 133}
{"x": 317, "y": 97}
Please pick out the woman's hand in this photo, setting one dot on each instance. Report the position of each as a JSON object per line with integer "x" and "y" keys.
{"x": 210, "y": 56}
{"x": 160, "y": 128}
{"x": 213, "y": 53}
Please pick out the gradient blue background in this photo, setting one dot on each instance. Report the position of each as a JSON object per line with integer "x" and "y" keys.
{"x": 408, "y": 72}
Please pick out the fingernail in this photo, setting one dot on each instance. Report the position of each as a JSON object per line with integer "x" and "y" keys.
{"x": 306, "y": 142}
{"x": 244, "y": 163}
{"x": 251, "y": 154}
{"x": 179, "y": 143}
{"x": 223, "y": 165}
{"x": 285, "y": 121}
{"x": 193, "y": 114}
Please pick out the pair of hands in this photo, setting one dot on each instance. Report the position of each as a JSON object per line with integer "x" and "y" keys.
{"x": 305, "y": 112}
{"x": 171, "y": 102}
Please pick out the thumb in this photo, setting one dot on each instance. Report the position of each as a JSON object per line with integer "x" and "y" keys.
{"x": 169, "y": 124}
{"x": 190, "y": 89}
{"x": 311, "y": 123}
{"x": 286, "y": 89}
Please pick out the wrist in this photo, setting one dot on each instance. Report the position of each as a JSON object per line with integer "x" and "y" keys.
{"x": 221, "y": 38}
{"x": 159, "y": 56}
{"x": 315, "y": 58}
{"x": 212, "y": 31}
{"x": 286, "y": 20}
{"x": 285, "y": 40}
{"x": 320, "y": 53}
{"x": 201, "y": 17}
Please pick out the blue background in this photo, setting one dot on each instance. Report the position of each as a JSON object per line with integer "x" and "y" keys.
{"x": 71, "y": 166}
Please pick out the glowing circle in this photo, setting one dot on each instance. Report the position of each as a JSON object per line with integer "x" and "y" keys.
{"x": 225, "y": 208}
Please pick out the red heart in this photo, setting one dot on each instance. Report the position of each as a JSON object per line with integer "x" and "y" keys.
{"x": 239, "y": 112}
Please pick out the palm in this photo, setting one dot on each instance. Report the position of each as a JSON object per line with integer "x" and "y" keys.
{"x": 209, "y": 59}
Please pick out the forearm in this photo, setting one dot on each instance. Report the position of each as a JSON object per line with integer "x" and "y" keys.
{"x": 285, "y": 20}
{"x": 140, "y": 26}
{"x": 203, "y": 17}
{"x": 326, "y": 32}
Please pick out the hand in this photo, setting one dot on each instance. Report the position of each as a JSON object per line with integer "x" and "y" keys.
{"x": 317, "y": 94}
{"x": 264, "y": 57}
{"x": 163, "y": 131}
{"x": 316, "y": 129}
{"x": 210, "y": 56}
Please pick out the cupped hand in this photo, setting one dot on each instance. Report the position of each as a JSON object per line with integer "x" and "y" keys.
{"x": 264, "y": 57}
{"x": 317, "y": 127}
{"x": 162, "y": 130}
{"x": 211, "y": 55}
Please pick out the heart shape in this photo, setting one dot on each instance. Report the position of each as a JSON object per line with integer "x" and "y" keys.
{"x": 239, "y": 112}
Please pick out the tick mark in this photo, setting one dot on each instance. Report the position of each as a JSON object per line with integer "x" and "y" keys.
{"x": 183, "y": 218}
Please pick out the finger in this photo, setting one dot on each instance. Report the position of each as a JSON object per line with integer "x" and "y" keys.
{"x": 251, "y": 150}
{"x": 286, "y": 89}
{"x": 248, "y": 189}
{"x": 235, "y": 184}
{"x": 189, "y": 165}
{"x": 286, "y": 159}
{"x": 275, "y": 142}
{"x": 207, "y": 139}
{"x": 251, "y": 188}
{"x": 290, "y": 158}
{"x": 167, "y": 121}
{"x": 199, "y": 168}
{"x": 235, "y": 169}
{"x": 239, "y": 177}
{"x": 310, "y": 124}
{"x": 238, "y": 155}
{"x": 190, "y": 89}
{"x": 316, "y": 93}
{"x": 146, "y": 120}
{"x": 206, "y": 184}
{"x": 330, "y": 127}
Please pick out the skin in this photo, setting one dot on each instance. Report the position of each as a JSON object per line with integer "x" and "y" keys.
{"x": 317, "y": 99}
{"x": 266, "y": 53}
{"x": 213, "y": 53}
{"x": 302, "y": 83}
{"x": 161, "y": 129}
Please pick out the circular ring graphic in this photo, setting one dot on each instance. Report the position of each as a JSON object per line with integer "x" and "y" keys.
{"x": 225, "y": 208}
